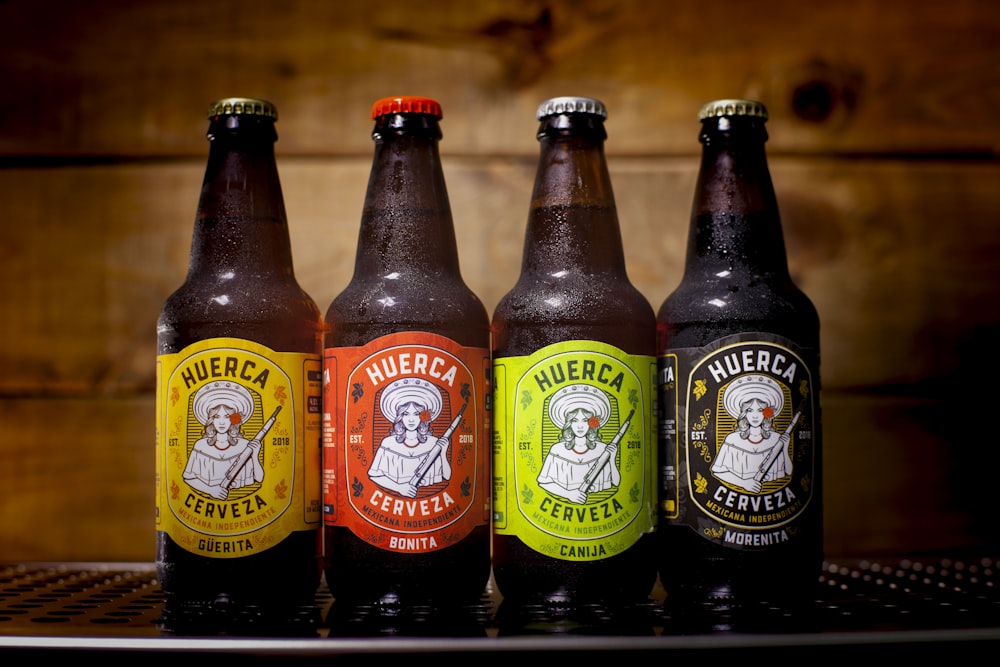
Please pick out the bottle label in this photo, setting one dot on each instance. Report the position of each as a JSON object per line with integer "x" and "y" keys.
{"x": 404, "y": 431}
{"x": 237, "y": 456}
{"x": 738, "y": 439}
{"x": 574, "y": 451}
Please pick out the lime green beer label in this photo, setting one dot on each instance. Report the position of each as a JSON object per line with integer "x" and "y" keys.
{"x": 574, "y": 461}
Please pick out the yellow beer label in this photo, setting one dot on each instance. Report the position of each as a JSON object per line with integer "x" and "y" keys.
{"x": 574, "y": 449}
{"x": 237, "y": 455}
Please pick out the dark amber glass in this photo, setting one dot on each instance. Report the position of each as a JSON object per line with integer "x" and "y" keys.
{"x": 736, "y": 281}
{"x": 241, "y": 284}
{"x": 573, "y": 286}
{"x": 407, "y": 279}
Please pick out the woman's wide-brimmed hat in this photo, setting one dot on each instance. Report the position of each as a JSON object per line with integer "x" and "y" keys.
{"x": 751, "y": 386}
{"x": 234, "y": 395}
{"x": 410, "y": 390}
{"x": 571, "y": 398}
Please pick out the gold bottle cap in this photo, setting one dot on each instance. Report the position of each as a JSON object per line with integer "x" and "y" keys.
{"x": 733, "y": 108}
{"x": 242, "y": 106}
{"x": 560, "y": 105}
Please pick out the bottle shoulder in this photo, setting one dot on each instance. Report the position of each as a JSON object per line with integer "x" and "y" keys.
{"x": 369, "y": 309}
{"x": 573, "y": 296}
{"x": 257, "y": 296}
{"x": 283, "y": 317}
{"x": 379, "y": 299}
{"x": 536, "y": 313}
{"x": 697, "y": 312}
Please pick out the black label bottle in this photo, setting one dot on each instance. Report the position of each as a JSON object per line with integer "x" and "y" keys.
{"x": 574, "y": 393}
{"x": 238, "y": 506}
{"x": 740, "y": 431}
{"x": 406, "y": 392}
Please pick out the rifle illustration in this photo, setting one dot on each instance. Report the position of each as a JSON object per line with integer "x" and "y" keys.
{"x": 435, "y": 452}
{"x": 245, "y": 455}
{"x": 591, "y": 476}
{"x": 772, "y": 454}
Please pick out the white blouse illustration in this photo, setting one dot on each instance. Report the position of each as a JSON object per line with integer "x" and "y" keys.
{"x": 580, "y": 463}
{"x": 223, "y": 459}
{"x": 754, "y": 452}
{"x": 410, "y": 456}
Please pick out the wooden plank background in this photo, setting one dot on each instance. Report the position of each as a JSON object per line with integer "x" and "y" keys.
{"x": 883, "y": 150}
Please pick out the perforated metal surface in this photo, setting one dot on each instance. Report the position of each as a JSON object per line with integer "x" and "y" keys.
{"x": 119, "y": 607}
{"x": 74, "y": 598}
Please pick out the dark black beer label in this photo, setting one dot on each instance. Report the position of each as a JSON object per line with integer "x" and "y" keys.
{"x": 739, "y": 439}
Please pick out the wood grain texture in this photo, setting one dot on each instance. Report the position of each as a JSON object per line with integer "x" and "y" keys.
{"x": 132, "y": 78}
{"x": 77, "y": 479}
{"x": 883, "y": 146}
{"x": 901, "y": 258}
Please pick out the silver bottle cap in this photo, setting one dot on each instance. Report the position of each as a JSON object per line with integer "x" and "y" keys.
{"x": 561, "y": 105}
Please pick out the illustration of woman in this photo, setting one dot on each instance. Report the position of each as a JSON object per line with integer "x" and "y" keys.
{"x": 753, "y": 453}
{"x": 222, "y": 408}
{"x": 579, "y": 462}
{"x": 410, "y": 456}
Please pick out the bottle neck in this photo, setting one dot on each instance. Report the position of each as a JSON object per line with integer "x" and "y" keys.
{"x": 406, "y": 223}
{"x": 241, "y": 228}
{"x": 735, "y": 225}
{"x": 573, "y": 220}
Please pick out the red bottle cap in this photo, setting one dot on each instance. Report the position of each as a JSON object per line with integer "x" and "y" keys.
{"x": 406, "y": 104}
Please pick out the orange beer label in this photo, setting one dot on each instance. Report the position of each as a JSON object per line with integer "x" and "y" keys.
{"x": 405, "y": 438}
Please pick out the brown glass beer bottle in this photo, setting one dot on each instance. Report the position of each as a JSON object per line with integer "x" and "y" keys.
{"x": 740, "y": 431}
{"x": 238, "y": 506}
{"x": 574, "y": 393}
{"x": 406, "y": 369}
